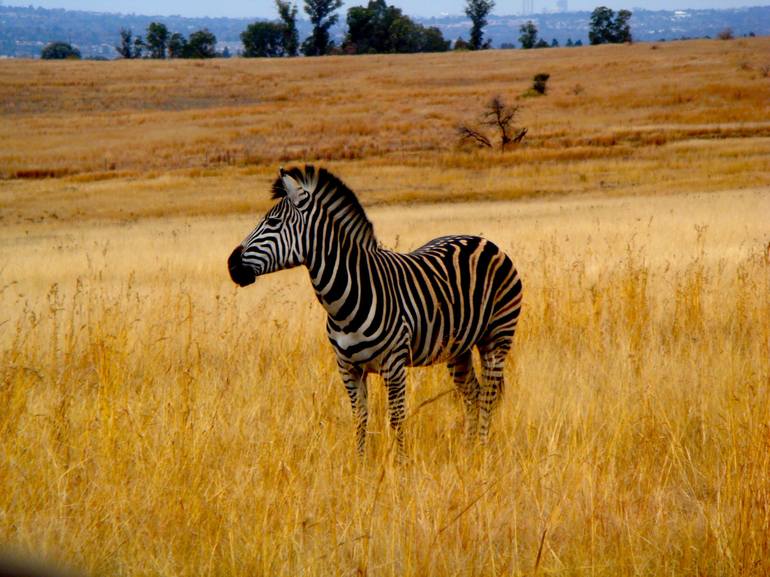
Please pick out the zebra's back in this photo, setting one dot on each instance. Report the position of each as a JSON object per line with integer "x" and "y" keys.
{"x": 456, "y": 292}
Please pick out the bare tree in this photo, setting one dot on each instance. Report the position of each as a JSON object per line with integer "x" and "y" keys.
{"x": 497, "y": 115}
{"x": 468, "y": 133}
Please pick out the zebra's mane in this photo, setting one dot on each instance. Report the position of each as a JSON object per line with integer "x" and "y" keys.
{"x": 321, "y": 182}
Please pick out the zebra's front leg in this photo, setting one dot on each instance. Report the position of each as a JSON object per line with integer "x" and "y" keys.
{"x": 394, "y": 375}
{"x": 354, "y": 379}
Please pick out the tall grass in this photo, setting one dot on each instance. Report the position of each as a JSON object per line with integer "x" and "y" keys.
{"x": 157, "y": 421}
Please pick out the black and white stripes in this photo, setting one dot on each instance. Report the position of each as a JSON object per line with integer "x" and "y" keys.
{"x": 388, "y": 310}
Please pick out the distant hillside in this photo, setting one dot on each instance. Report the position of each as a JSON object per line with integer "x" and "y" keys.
{"x": 25, "y": 30}
{"x": 646, "y": 25}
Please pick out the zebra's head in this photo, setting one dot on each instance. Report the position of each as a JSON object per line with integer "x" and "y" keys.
{"x": 277, "y": 241}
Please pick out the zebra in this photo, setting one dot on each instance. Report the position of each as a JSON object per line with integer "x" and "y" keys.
{"x": 389, "y": 310}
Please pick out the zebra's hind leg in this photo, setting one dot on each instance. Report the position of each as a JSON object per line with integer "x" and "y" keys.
{"x": 354, "y": 379}
{"x": 467, "y": 384}
{"x": 394, "y": 375}
{"x": 493, "y": 364}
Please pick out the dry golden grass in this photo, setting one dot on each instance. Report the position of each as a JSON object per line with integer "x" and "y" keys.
{"x": 155, "y": 420}
{"x": 138, "y": 136}
{"x": 158, "y": 421}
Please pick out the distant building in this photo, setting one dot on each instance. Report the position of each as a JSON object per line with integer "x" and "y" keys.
{"x": 561, "y": 5}
{"x": 528, "y": 6}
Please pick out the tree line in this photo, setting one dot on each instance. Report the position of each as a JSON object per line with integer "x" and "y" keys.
{"x": 380, "y": 28}
{"x": 605, "y": 27}
{"x": 160, "y": 43}
{"x": 374, "y": 28}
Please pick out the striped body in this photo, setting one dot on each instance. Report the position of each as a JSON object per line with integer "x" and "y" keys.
{"x": 438, "y": 302}
{"x": 388, "y": 310}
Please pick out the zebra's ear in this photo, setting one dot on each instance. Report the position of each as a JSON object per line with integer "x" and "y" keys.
{"x": 294, "y": 190}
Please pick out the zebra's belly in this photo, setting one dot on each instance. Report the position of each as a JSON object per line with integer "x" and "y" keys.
{"x": 441, "y": 355}
{"x": 374, "y": 351}
{"x": 367, "y": 351}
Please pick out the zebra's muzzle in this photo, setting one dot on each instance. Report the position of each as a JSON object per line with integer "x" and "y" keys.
{"x": 241, "y": 275}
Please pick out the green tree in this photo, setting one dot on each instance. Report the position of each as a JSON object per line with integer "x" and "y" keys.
{"x": 288, "y": 13}
{"x": 322, "y": 17}
{"x": 528, "y": 36}
{"x": 60, "y": 51}
{"x": 434, "y": 41}
{"x": 156, "y": 40}
{"x": 139, "y": 47}
{"x": 263, "y": 39}
{"x": 382, "y": 28}
{"x": 621, "y": 29}
{"x": 607, "y": 28}
{"x": 600, "y": 27}
{"x": 404, "y": 36}
{"x": 127, "y": 44}
{"x": 367, "y": 27}
{"x": 177, "y": 45}
{"x": 201, "y": 44}
{"x": 477, "y": 11}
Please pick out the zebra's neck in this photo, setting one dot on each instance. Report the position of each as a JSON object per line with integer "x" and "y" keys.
{"x": 342, "y": 247}
{"x": 338, "y": 243}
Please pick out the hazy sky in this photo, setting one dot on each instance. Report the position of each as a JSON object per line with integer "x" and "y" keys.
{"x": 266, "y": 8}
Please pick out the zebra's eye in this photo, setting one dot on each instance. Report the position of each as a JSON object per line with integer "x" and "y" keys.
{"x": 273, "y": 221}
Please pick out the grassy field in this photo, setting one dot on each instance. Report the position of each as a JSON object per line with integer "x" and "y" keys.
{"x": 133, "y": 139}
{"x": 157, "y": 420}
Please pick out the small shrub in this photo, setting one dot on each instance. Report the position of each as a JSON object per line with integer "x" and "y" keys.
{"x": 539, "y": 83}
{"x": 60, "y": 51}
{"x": 725, "y": 34}
{"x": 461, "y": 44}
